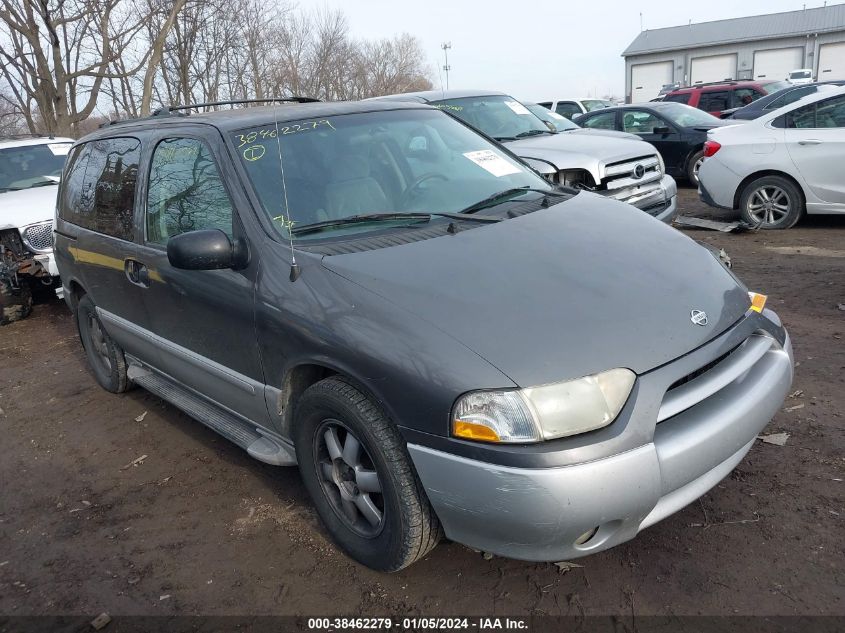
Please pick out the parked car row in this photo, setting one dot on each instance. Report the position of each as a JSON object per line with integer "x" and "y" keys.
{"x": 443, "y": 339}
{"x": 620, "y": 166}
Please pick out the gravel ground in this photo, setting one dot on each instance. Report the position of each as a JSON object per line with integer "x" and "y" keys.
{"x": 197, "y": 527}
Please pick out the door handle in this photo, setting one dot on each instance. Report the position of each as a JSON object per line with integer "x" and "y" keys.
{"x": 137, "y": 273}
{"x": 810, "y": 141}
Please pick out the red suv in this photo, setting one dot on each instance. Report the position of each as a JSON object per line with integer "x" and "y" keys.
{"x": 720, "y": 96}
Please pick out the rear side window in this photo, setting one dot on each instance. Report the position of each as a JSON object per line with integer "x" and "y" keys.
{"x": 683, "y": 97}
{"x": 99, "y": 189}
{"x": 714, "y": 101}
{"x": 744, "y": 96}
{"x": 829, "y": 113}
{"x": 604, "y": 121}
{"x": 185, "y": 192}
{"x": 567, "y": 109}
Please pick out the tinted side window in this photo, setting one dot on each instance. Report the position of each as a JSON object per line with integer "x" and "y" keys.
{"x": 790, "y": 97}
{"x": 108, "y": 191}
{"x": 678, "y": 98}
{"x": 639, "y": 122}
{"x": 604, "y": 121}
{"x": 185, "y": 192}
{"x": 744, "y": 96}
{"x": 71, "y": 186}
{"x": 831, "y": 112}
{"x": 567, "y": 109}
{"x": 713, "y": 101}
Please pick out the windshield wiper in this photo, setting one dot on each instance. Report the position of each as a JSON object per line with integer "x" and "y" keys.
{"x": 380, "y": 217}
{"x": 491, "y": 200}
{"x": 533, "y": 133}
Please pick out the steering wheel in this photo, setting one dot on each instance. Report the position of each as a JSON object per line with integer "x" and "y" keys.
{"x": 405, "y": 198}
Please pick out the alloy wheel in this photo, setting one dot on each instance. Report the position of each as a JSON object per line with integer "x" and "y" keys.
{"x": 768, "y": 204}
{"x": 696, "y": 166}
{"x": 349, "y": 478}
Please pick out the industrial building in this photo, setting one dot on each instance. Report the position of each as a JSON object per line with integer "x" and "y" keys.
{"x": 760, "y": 47}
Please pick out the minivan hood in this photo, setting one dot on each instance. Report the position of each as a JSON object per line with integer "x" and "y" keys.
{"x": 27, "y": 206}
{"x": 586, "y": 285}
{"x": 580, "y": 151}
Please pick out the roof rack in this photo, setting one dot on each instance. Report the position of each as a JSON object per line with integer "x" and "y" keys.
{"x": 177, "y": 110}
{"x": 724, "y": 82}
{"x": 166, "y": 110}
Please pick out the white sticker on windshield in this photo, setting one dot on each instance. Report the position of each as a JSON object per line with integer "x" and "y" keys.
{"x": 59, "y": 149}
{"x": 555, "y": 115}
{"x": 517, "y": 107}
{"x": 492, "y": 162}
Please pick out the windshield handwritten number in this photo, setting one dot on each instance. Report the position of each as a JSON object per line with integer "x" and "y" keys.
{"x": 293, "y": 128}
{"x": 254, "y": 152}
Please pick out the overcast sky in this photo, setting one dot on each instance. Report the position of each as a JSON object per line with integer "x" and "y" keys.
{"x": 535, "y": 50}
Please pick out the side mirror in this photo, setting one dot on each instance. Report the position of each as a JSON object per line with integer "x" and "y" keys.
{"x": 661, "y": 130}
{"x": 209, "y": 249}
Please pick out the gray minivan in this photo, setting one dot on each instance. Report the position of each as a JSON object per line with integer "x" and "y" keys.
{"x": 442, "y": 340}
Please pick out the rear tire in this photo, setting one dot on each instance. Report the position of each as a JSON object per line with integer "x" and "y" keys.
{"x": 771, "y": 202}
{"x": 15, "y": 303}
{"x": 693, "y": 165}
{"x": 358, "y": 472}
{"x": 105, "y": 357}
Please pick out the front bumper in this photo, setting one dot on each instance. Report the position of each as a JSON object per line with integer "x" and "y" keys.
{"x": 658, "y": 199}
{"x": 706, "y": 426}
{"x": 48, "y": 262}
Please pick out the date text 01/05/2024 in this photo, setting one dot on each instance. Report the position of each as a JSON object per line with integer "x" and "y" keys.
{"x": 417, "y": 623}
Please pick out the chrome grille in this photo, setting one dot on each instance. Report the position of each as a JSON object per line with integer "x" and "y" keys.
{"x": 39, "y": 237}
{"x": 637, "y": 171}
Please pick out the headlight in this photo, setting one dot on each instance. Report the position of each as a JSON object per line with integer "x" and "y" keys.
{"x": 662, "y": 164}
{"x": 543, "y": 413}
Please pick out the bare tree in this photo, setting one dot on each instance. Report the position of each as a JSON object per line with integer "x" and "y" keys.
{"x": 57, "y": 53}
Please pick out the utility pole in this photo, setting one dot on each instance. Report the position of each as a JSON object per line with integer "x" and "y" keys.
{"x": 446, "y": 46}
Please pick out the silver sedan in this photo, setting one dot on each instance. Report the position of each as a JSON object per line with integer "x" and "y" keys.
{"x": 782, "y": 165}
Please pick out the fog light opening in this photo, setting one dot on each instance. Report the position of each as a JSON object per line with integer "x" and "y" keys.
{"x": 586, "y": 536}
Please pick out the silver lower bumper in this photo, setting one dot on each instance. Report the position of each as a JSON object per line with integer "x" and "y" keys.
{"x": 658, "y": 199}
{"x": 540, "y": 514}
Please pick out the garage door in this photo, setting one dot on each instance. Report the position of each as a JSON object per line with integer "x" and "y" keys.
{"x": 831, "y": 61}
{"x": 648, "y": 79}
{"x": 712, "y": 68}
{"x": 776, "y": 64}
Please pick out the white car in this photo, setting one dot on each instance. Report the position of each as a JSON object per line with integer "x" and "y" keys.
{"x": 30, "y": 169}
{"x": 800, "y": 76}
{"x": 781, "y": 165}
{"x": 573, "y": 107}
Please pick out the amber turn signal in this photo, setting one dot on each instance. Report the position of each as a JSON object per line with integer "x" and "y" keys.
{"x": 758, "y": 301}
{"x": 478, "y": 432}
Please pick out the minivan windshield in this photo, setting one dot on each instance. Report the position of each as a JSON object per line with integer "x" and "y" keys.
{"x": 499, "y": 116}
{"x": 28, "y": 166}
{"x": 391, "y": 162}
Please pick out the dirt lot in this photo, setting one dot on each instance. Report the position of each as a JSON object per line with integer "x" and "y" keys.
{"x": 197, "y": 527}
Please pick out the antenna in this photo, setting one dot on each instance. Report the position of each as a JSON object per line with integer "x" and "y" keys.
{"x": 641, "y": 21}
{"x": 294, "y": 267}
{"x": 446, "y": 46}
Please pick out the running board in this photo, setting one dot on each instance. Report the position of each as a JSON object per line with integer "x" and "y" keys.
{"x": 257, "y": 442}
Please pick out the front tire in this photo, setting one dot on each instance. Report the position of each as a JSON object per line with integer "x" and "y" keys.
{"x": 771, "y": 202}
{"x": 358, "y": 472}
{"x": 105, "y": 357}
